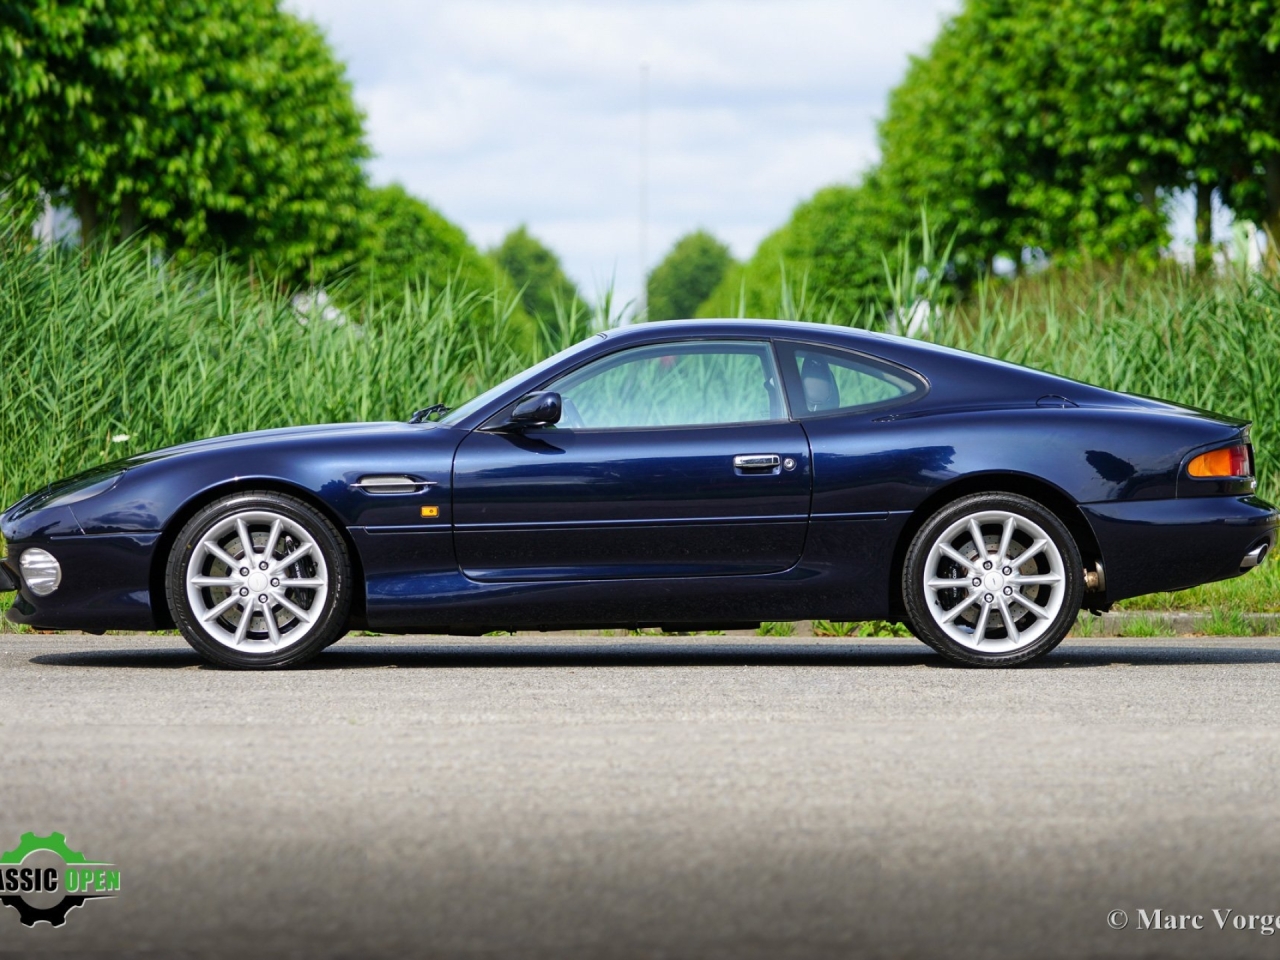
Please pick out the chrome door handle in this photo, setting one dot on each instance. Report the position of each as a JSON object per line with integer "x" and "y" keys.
{"x": 394, "y": 483}
{"x": 756, "y": 461}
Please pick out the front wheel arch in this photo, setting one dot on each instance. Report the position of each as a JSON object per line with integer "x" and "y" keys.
{"x": 1046, "y": 494}
{"x": 164, "y": 544}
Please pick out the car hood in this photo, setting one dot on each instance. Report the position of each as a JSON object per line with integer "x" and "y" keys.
{"x": 239, "y": 443}
{"x": 281, "y": 435}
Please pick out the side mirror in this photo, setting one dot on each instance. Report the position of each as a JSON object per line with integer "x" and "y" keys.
{"x": 537, "y": 410}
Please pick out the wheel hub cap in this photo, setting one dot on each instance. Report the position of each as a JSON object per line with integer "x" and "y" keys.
{"x": 257, "y": 582}
{"x": 994, "y": 581}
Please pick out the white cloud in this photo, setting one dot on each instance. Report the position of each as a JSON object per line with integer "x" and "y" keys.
{"x": 507, "y": 111}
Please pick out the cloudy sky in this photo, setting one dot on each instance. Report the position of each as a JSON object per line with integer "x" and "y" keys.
{"x": 501, "y": 112}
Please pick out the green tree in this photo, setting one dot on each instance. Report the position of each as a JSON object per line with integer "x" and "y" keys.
{"x": 1239, "y": 42}
{"x": 537, "y": 273}
{"x": 826, "y": 261}
{"x": 222, "y": 126}
{"x": 1064, "y": 126}
{"x": 687, "y": 275}
{"x": 1022, "y": 128}
{"x": 406, "y": 241}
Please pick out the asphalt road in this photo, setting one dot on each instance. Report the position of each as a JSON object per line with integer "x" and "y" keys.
{"x": 690, "y": 797}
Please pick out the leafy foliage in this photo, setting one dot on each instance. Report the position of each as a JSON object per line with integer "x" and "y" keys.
{"x": 536, "y": 271}
{"x": 1058, "y": 126}
{"x": 826, "y": 262}
{"x": 1020, "y": 129}
{"x": 406, "y": 242}
{"x": 686, "y": 276}
{"x": 224, "y": 126}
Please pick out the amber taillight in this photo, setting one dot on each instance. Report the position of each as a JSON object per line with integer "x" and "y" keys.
{"x": 1230, "y": 461}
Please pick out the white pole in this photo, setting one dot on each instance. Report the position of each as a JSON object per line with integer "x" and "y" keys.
{"x": 642, "y": 302}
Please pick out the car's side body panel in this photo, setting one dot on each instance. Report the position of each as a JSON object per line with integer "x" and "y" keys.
{"x": 863, "y": 464}
{"x": 549, "y": 504}
{"x": 409, "y": 601}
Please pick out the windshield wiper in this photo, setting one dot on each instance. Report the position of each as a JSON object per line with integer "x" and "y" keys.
{"x": 426, "y": 413}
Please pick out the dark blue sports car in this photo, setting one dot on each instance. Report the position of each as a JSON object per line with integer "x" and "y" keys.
{"x": 687, "y": 475}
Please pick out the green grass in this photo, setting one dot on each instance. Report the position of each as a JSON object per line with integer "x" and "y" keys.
{"x": 1142, "y": 627}
{"x": 1226, "y": 623}
{"x": 835, "y": 628}
{"x": 774, "y": 628}
{"x": 1086, "y": 625}
{"x": 865, "y": 628}
{"x": 6, "y": 601}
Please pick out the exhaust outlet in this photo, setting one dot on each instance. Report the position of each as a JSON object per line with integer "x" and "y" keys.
{"x": 1255, "y": 556}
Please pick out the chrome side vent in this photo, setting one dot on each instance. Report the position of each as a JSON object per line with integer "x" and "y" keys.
{"x": 392, "y": 483}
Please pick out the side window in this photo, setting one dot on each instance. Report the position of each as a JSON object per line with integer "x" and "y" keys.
{"x": 824, "y": 380}
{"x": 674, "y": 384}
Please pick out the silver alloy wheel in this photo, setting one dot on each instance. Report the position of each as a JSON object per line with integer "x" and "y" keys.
{"x": 257, "y": 582}
{"x": 994, "y": 581}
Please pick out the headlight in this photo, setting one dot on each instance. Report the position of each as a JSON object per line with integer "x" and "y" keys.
{"x": 41, "y": 571}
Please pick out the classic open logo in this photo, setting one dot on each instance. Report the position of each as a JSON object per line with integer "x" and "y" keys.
{"x": 44, "y": 879}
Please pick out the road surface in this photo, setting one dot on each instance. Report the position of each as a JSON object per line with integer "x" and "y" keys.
{"x": 646, "y": 797}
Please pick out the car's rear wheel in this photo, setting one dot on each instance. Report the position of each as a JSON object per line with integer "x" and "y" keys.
{"x": 259, "y": 579}
{"x": 992, "y": 580}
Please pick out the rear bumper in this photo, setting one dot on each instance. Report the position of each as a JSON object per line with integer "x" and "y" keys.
{"x": 1151, "y": 546}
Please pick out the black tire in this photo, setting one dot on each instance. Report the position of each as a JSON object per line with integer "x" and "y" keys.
{"x": 321, "y": 615}
{"x": 992, "y": 597}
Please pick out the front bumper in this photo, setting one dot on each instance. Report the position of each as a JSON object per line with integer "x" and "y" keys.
{"x": 106, "y": 584}
{"x": 1154, "y": 546}
{"x": 8, "y": 578}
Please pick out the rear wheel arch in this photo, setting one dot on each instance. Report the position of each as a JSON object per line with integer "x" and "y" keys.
{"x": 1046, "y": 494}
{"x": 169, "y": 535}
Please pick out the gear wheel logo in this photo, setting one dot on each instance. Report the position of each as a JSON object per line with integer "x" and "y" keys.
{"x": 41, "y": 891}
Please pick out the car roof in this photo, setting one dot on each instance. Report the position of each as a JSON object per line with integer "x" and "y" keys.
{"x": 734, "y": 327}
{"x": 955, "y": 372}
{"x": 889, "y": 346}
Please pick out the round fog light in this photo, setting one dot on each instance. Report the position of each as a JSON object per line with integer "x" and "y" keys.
{"x": 41, "y": 570}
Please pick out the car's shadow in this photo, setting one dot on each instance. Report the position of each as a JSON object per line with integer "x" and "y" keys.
{"x": 671, "y": 652}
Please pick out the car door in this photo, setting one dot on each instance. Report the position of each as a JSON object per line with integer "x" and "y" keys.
{"x": 675, "y": 459}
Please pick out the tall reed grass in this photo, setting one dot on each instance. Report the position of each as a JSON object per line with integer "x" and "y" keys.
{"x": 116, "y": 352}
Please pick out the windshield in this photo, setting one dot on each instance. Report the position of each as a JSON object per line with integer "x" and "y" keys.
{"x": 472, "y": 406}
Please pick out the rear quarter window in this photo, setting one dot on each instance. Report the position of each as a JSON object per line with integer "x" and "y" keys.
{"x": 823, "y": 380}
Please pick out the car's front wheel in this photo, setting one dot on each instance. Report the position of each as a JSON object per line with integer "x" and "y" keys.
{"x": 992, "y": 580}
{"x": 259, "y": 579}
